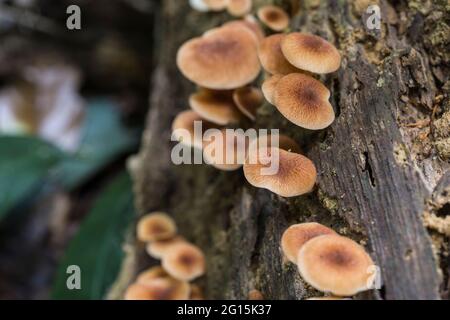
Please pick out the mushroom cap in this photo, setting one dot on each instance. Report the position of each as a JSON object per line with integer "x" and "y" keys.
{"x": 255, "y": 295}
{"x": 215, "y": 106}
{"x": 157, "y": 249}
{"x": 225, "y": 151}
{"x": 156, "y": 226}
{"x": 184, "y": 261}
{"x": 268, "y": 87}
{"x": 150, "y": 274}
{"x": 248, "y": 100}
{"x": 196, "y": 293}
{"x": 239, "y": 8}
{"x": 273, "y": 17}
{"x": 159, "y": 289}
{"x": 303, "y": 100}
{"x": 271, "y": 56}
{"x": 216, "y": 60}
{"x": 284, "y": 142}
{"x": 216, "y": 5}
{"x": 185, "y": 120}
{"x": 251, "y": 24}
{"x": 310, "y": 52}
{"x": 296, "y": 174}
{"x": 336, "y": 264}
{"x": 298, "y": 234}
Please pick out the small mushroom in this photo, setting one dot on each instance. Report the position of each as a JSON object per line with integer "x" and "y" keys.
{"x": 222, "y": 59}
{"x": 216, "y": 5}
{"x": 298, "y": 234}
{"x": 303, "y": 100}
{"x": 273, "y": 17}
{"x": 336, "y": 264}
{"x": 310, "y": 52}
{"x": 296, "y": 174}
{"x": 157, "y": 249}
{"x": 268, "y": 87}
{"x": 265, "y": 141}
{"x": 184, "y": 261}
{"x": 271, "y": 56}
{"x": 183, "y": 128}
{"x": 159, "y": 289}
{"x": 225, "y": 149}
{"x": 239, "y": 8}
{"x": 156, "y": 226}
{"x": 255, "y": 295}
{"x": 215, "y": 106}
{"x": 248, "y": 100}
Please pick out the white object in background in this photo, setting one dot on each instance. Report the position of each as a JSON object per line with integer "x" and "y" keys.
{"x": 199, "y": 5}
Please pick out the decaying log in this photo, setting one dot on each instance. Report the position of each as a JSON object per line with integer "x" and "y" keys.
{"x": 377, "y": 163}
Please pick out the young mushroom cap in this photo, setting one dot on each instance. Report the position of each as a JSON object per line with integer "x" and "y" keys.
{"x": 159, "y": 289}
{"x": 303, "y": 100}
{"x": 265, "y": 141}
{"x": 248, "y": 100}
{"x": 271, "y": 56}
{"x": 222, "y": 59}
{"x": 216, "y": 5}
{"x": 268, "y": 87}
{"x": 296, "y": 174}
{"x": 215, "y": 106}
{"x": 157, "y": 249}
{"x": 336, "y": 264}
{"x": 184, "y": 123}
{"x": 225, "y": 150}
{"x": 311, "y": 53}
{"x": 273, "y": 17}
{"x": 156, "y": 226}
{"x": 298, "y": 234}
{"x": 239, "y": 8}
{"x": 184, "y": 261}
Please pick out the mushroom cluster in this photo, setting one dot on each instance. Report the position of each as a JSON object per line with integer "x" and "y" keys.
{"x": 328, "y": 261}
{"x": 182, "y": 262}
{"x": 225, "y": 62}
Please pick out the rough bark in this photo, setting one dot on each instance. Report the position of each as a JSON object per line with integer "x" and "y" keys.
{"x": 378, "y": 163}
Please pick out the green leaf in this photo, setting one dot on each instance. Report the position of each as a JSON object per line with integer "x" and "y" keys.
{"x": 24, "y": 162}
{"x": 103, "y": 138}
{"x": 97, "y": 248}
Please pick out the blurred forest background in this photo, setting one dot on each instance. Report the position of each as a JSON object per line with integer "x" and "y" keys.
{"x": 72, "y": 105}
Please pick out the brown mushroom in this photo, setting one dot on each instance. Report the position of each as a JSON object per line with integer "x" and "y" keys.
{"x": 157, "y": 249}
{"x": 248, "y": 100}
{"x": 225, "y": 149}
{"x": 311, "y": 53}
{"x": 225, "y": 58}
{"x": 268, "y": 87}
{"x": 298, "y": 234}
{"x": 215, "y": 106}
{"x": 250, "y": 23}
{"x": 150, "y": 274}
{"x": 239, "y": 8}
{"x": 271, "y": 56}
{"x": 336, "y": 264}
{"x": 303, "y": 100}
{"x": 183, "y": 128}
{"x": 294, "y": 173}
{"x": 156, "y": 226}
{"x": 159, "y": 289}
{"x": 273, "y": 17}
{"x": 184, "y": 261}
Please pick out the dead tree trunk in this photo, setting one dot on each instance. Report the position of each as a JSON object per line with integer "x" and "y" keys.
{"x": 378, "y": 163}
